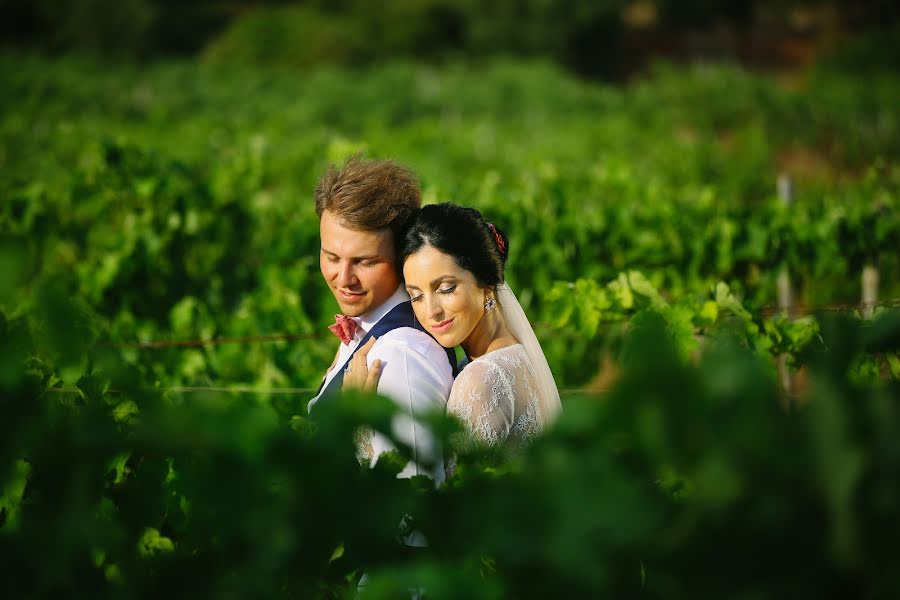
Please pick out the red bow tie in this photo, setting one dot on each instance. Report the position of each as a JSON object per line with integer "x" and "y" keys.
{"x": 344, "y": 327}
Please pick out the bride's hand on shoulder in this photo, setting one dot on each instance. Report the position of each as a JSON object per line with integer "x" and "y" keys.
{"x": 358, "y": 375}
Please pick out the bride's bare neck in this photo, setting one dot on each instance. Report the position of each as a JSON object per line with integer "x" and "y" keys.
{"x": 490, "y": 334}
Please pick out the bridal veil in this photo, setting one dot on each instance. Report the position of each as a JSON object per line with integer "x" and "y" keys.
{"x": 549, "y": 405}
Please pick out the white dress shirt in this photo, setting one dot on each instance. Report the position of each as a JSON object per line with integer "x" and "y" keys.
{"x": 415, "y": 374}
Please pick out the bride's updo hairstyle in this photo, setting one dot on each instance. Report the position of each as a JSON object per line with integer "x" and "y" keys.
{"x": 476, "y": 246}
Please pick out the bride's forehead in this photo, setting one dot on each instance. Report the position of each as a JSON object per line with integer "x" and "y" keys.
{"x": 428, "y": 261}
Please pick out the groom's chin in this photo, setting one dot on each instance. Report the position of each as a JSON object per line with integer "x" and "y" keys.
{"x": 352, "y": 308}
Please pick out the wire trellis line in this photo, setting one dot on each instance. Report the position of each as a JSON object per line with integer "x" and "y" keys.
{"x": 765, "y": 311}
{"x": 287, "y": 337}
{"x": 800, "y": 309}
{"x": 249, "y": 389}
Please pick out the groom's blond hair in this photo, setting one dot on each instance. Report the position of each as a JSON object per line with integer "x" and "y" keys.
{"x": 369, "y": 195}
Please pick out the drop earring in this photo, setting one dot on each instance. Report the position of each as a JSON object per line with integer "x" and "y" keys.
{"x": 489, "y": 304}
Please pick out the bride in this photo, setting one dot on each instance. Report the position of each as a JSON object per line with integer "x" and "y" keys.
{"x": 453, "y": 265}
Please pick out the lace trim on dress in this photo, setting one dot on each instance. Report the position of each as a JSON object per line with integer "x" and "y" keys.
{"x": 495, "y": 397}
{"x": 365, "y": 451}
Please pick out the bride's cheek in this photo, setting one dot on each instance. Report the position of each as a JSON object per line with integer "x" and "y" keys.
{"x": 417, "y": 310}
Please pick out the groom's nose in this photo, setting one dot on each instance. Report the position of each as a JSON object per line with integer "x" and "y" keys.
{"x": 346, "y": 274}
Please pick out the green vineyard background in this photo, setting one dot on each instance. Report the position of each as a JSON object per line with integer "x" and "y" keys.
{"x": 173, "y": 201}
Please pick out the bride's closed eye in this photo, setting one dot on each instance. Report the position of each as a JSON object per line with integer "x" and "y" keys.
{"x": 416, "y": 296}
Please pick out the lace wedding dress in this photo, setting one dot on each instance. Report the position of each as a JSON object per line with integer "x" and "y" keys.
{"x": 496, "y": 397}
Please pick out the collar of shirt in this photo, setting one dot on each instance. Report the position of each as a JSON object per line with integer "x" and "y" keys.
{"x": 367, "y": 321}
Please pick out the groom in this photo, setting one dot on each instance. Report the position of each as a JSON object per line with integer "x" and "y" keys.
{"x": 362, "y": 208}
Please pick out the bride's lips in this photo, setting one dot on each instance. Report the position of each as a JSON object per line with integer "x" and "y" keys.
{"x": 442, "y": 326}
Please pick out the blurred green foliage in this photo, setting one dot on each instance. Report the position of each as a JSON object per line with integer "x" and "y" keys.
{"x": 577, "y": 34}
{"x": 685, "y": 479}
{"x": 113, "y": 29}
{"x": 877, "y": 51}
{"x": 608, "y": 38}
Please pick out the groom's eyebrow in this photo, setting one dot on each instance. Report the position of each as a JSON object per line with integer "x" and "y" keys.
{"x": 371, "y": 257}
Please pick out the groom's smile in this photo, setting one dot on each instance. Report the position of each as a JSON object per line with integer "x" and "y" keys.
{"x": 350, "y": 296}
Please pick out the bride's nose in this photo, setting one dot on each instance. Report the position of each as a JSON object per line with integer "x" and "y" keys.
{"x": 435, "y": 311}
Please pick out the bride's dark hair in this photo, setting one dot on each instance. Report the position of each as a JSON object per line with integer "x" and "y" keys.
{"x": 477, "y": 246}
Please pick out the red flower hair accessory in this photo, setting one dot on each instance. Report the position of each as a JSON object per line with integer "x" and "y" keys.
{"x": 500, "y": 243}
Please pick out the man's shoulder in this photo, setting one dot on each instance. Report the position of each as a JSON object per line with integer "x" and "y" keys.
{"x": 421, "y": 354}
{"x": 409, "y": 338}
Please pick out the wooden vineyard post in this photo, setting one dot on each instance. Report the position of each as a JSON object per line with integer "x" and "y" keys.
{"x": 785, "y": 292}
{"x": 870, "y": 279}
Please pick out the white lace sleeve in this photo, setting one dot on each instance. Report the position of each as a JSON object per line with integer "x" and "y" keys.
{"x": 483, "y": 398}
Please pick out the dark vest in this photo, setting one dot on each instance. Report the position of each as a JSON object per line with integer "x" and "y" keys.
{"x": 399, "y": 316}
